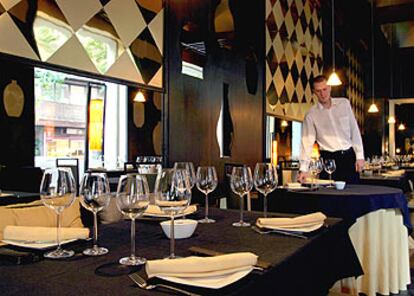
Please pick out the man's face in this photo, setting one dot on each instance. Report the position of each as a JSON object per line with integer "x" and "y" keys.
{"x": 322, "y": 91}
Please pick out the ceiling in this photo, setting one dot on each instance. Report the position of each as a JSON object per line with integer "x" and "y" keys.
{"x": 396, "y": 18}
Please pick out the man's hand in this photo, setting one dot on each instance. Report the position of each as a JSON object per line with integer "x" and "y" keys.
{"x": 359, "y": 165}
{"x": 302, "y": 176}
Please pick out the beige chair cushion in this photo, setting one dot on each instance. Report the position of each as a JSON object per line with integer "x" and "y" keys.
{"x": 36, "y": 214}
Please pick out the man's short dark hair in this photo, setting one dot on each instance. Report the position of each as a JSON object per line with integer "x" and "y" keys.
{"x": 317, "y": 79}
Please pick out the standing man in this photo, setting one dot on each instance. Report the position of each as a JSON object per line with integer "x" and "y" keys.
{"x": 332, "y": 124}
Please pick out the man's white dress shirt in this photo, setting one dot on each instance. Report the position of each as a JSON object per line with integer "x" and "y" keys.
{"x": 333, "y": 129}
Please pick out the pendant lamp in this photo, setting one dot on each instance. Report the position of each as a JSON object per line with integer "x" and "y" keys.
{"x": 139, "y": 97}
{"x": 373, "y": 108}
{"x": 333, "y": 79}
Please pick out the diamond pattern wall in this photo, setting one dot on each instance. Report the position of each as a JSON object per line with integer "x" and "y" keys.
{"x": 97, "y": 36}
{"x": 355, "y": 87}
{"x": 293, "y": 55}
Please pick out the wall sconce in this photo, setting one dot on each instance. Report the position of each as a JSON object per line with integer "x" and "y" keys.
{"x": 398, "y": 150}
{"x": 284, "y": 123}
{"x": 140, "y": 97}
{"x": 333, "y": 79}
{"x": 401, "y": 127}
{"x": 391, "y": 120}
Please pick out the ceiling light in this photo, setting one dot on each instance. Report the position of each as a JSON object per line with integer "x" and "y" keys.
{"x": 333, "y": 79}
{"x": 373, "y": 108}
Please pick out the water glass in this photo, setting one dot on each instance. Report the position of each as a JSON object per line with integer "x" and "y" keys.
{"x": 57, "y": 192}
{"x": 206, "y": 182}
{"x": 94, "y": 196}
{"x": 265, "y": 181}
{"x": 330, "y": 167}
{"x": 241, "y": 183}
{"x": 172, "y": 196}
{"x": 132, "y": 199}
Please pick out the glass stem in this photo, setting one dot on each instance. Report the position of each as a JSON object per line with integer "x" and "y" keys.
{"x": 95, "y": 230}
{"x": 58, "y": 232}
{"x": 265, "y": 205}
{"x": 241, "y": 208}
{"x": 206, "y": 208}
{"x": 172, "y": 238}
{"x": 132, "y": 238}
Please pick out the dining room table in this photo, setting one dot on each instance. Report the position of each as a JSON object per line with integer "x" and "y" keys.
{"x": 8, "y": 197}
{"x": 388, "y": 180}
{"x": 378, "y": 223}
{"x": 294, "y": 266}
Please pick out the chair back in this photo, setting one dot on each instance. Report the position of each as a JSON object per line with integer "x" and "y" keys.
{"x": 73, "y": 164}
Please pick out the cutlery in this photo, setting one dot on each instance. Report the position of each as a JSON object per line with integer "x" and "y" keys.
{"x": 287, "y": 233}
{"x": 260, "y": 265}
{"x": 142, "y": 283}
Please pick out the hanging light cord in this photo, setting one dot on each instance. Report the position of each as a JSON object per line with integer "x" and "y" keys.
{"x": 372, "y": 51}
{"x": 333, "y": 35}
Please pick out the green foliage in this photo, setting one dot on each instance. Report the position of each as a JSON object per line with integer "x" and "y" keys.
{"x": 98, "y": 52}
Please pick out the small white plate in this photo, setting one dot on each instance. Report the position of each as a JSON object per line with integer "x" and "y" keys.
{"x": 36, "y": 245}
{"x": 213, "y": 282}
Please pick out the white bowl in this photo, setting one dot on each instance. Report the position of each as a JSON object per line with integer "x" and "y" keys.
{"x": 183, "y": 228}
{"x": 340, "y": 185}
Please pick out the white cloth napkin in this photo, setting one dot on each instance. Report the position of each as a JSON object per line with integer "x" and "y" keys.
{"x": 308, "y": 220}
{"x": 43, "y": 234}
{"x": 199, "y": 267}
{"x": 294, "y": 185}
{"x": 395, "y": 173}
{"x": 154, "y": 210}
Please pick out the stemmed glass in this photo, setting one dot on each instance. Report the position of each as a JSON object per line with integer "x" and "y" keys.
{"x": 57, "y": 192}
{"x": 330, "y": 167}
{"x": 206, "y": 183}
{"x": 132, "y": 199}
{"x": 265, "y": 181}
{"x": 95, "y": 195}
{"x": 189, "y": 167}
{"x": 172, "y": 195}
{"x": 241, "y": 182}
{"x": 315, "y": 167}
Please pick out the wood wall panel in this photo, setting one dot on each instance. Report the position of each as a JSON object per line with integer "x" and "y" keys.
{"x": 194, "y": 105}
{"x": 17, "y": 133}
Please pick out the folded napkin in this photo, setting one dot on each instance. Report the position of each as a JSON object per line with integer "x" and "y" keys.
{"x": 154, "y": 210}
{"x": 199, "y": 267}
{"x": 318, "y": 181}
{"x": 292, "y": 223}
{"x": 43, "y": 234}
{"x": 395, "y": 173}
{"x": 294, "y": 185}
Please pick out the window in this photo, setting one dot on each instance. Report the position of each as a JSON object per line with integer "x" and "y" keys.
{"x": 62, "y": 102}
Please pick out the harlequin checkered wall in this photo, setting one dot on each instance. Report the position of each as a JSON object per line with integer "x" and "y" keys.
{"x": 293, "y": 55}
{"x": 355, "y": 87}
{"x": 117, "y": 38}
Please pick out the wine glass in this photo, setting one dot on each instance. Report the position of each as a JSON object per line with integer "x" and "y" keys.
{"x": 95, "y": 195}
{"x": 172, "y": 196}
{"x": 189, "y": 167}
{"x": 315, "y": 167}
{"x": 57, "y": 192}
{"x": 241, "y": 182}
{"x": 265, "y": 181}
{"x": 132, "y": 199}
{"x": 206, "y": 183}
{"x": 330, "y": 167}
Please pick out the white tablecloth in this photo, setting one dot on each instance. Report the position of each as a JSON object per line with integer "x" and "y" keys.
{"x": 380, "y": 240}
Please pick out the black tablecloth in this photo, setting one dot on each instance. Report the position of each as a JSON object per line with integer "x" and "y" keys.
{"x": 299, "y": 266}
{"x": 351, "y": 203}
{"x": 400, "y": 182}
{"x": 15, "y": 197}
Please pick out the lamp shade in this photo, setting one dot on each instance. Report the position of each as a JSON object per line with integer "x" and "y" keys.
{"x": 333, "y": 79}
{"x": 401, "y": 127}
{"x": 373, "y": 108}
{"x": 391, "y": 119}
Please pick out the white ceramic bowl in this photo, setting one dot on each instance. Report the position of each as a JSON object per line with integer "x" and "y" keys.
{"x": 183, "y": 228}
{"x": 340, "y": 185}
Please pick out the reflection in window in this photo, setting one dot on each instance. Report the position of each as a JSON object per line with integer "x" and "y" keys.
{"x": 50, "y": 35}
